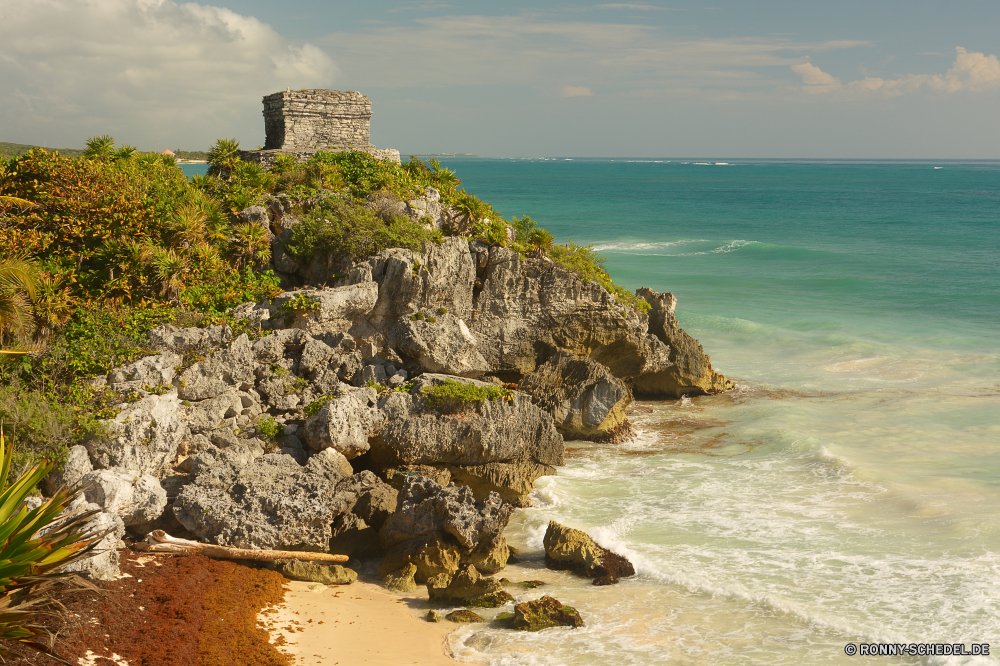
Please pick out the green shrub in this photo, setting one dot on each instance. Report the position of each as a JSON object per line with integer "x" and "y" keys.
{"x": 36, "y": 545}
{"x": 313, "y": 407}
{"x": 451, "y": 396}
{"x": 351, "y": 231}
{"x": 442, "y": 311}
{"x": 267, "y": 426}
{"x": 43, "y": 428}
{"x": 300, "y": 303}
{"x": 585, "y": 262}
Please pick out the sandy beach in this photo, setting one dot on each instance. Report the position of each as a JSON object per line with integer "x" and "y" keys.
{"x": 356, "y": 624}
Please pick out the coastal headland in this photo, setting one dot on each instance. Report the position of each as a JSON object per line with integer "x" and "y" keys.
{"x": 350, "y": 355}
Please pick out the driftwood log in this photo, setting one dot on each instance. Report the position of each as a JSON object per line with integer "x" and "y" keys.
{"x": 159, "y": 541}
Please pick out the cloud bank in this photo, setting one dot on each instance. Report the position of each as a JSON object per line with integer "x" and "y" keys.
{"x": 971, "y": 72}
{"x": 141, "y": 69}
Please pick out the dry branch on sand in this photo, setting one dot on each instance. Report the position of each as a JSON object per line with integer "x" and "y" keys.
{"x": 159, "y": 541}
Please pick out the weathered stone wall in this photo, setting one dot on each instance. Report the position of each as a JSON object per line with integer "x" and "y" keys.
{"x": 302, "y": 122}
{"x": 313, "y": 119}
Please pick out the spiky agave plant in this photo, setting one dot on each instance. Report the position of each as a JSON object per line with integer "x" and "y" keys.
{"x": 34, "y": 546}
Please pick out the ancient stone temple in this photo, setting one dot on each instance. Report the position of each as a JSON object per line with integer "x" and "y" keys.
{"x": 303, "y": 122}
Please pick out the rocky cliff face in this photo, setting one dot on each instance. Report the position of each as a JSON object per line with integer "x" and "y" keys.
{"x": 297, "y": 438}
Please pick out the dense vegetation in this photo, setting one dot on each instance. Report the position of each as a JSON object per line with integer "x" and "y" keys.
{"x": 96, "y": 250}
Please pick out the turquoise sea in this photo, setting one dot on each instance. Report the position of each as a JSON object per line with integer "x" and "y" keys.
{"x": 849, "y": 490}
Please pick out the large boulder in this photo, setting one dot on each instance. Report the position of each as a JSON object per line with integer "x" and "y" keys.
{"x": 467, "y": 587}
{"x": 135, "y": 498}
{"x": 344, "y": 422}
{"x": 219, "y": 373}
{"x": 144, "y": 436}
{"x": 499, "y": 445}
{"x": 541, "y": 614}
{"x": 690, "y": 371}
{"x": 573, "y": 550}
{"x": 270, "y": 502}
{"x": 444, "y": 345}
{"x": 585, "y": 399}
{"x": 336, "y": 308}
{"x": 440, "y": 528}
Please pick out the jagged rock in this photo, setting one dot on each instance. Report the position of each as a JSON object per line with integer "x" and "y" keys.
{"x": 567, "y": 548}
{"x": 445, "y": 345}
{"x": 376, "y": 503}
{"x": 271, "y": 502}
{"x": 315, "y": 355}
{"x": 432, "y": 616}
{"x": 344, "y": 422}
{"x": 180, "y": 340}
{"x": 77, "y": 466}
{"x": 584, "y": 398}
{"x": 426, "y": 210}
{"x": 492, "y": 445}
{"x": 338, "y": 307}
{"x": 220, "y": 372}
{"x": 690, "y": 371}
{"x": 401, "y": 580}
{"x": 442, "y": 276}
{"x": 431, "y": 555}
{"x": 426, "y": 507}
{"x": 540, "y": 614}
{"x": 255, "y": 215}
{"x": 144, "y": 436}
{"x": 149, "y": 371}
{"x": 334, "y": 462}
{"x": 463, "y": 616}
{"x": 212, "y": 456}
{"x": 354, "y": 537}
{"x": 466, "y": 587}
{"x": 135, "y": 498}
{"x": 327, "y": 574}
{"x": 206, "y": 415}
{"x": 103, "y": 563}
{"x": 437, "y": 528}
{"x": 256, "y": 314}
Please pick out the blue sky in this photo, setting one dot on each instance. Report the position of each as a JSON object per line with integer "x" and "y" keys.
{"x": 720, "y": 79}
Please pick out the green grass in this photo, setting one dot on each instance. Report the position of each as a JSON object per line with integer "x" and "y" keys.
{"x": 451, "y": 396}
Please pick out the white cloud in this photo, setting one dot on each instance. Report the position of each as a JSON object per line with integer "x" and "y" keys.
{"x": 815, "y": 79}
{"x": 142, "y": 69}
{"x": 540, "y": 51}
{"x": 971, "y": 72}
{"x": 574, "y": 91}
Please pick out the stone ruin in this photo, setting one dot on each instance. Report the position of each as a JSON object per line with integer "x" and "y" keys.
{"x": 303, "y": 122}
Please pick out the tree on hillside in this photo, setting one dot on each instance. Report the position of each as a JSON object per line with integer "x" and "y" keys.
{"x": 18, "y": 281}
{"x": 223, "y": 157}
{"x": 100, "y": 147}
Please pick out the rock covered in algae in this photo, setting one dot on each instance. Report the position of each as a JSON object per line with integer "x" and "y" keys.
{"x": 540, "y": 614}
{"x": 401, "y": 580}
{"x": 327, "y": 574}
{"x": 463, "y": 616}
{"x": 567, "y": 548}
{"x": 468, "y": 588}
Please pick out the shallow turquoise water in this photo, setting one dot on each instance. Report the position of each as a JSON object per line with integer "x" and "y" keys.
{"x": 849, "y": 490}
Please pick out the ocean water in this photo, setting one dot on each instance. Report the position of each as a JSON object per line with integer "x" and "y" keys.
{"x": 849, "y": 490}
